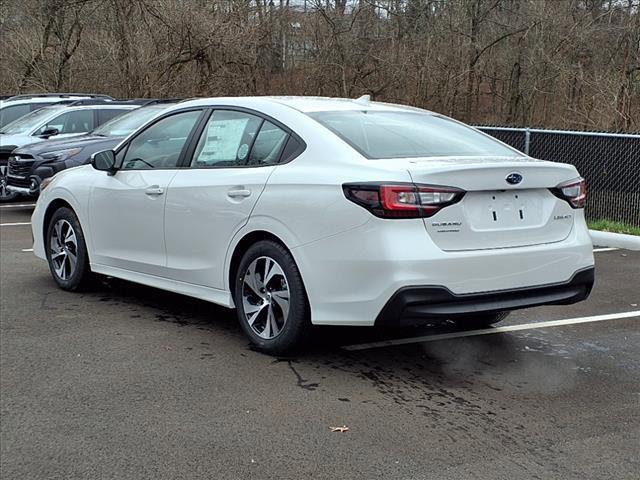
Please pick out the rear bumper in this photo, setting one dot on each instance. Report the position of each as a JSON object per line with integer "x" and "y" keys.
{"x": 410, "y": 305}
{"x": 351, "y": 277}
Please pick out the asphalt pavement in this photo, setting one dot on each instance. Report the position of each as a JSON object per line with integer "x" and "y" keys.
{"x": 130, "y": 382}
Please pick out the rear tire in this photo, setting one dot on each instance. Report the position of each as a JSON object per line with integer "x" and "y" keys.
{"x": 67, "y": 251}
{"x": 271, "y": 301}
{"x": 480, "y": 320}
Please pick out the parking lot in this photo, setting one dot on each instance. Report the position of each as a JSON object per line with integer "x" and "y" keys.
{"x": 129, "y": 382}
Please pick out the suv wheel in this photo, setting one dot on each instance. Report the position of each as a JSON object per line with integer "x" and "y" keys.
{"x": 270, "y": 299}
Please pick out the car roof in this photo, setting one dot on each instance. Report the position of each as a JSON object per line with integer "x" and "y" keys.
{"x": 324, "y": 104}
{"x": 304, "y": 104}
{"x": 99, "y": 106}
{"x": 54, "y": 97}
{"x": 75, "y": 100}
{"x": 26, "y": 101}
{"x": 56, "y": 108}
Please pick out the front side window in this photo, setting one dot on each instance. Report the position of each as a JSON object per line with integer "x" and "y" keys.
{"x": 394, "y": 134}
{"x": 226, "y": 139}
{"x": 79, "y": 121}
{"x": 160, "y": 145}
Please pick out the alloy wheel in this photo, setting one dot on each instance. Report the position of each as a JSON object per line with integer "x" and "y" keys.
{"x": 63, "y": 246}
{"x": 265, "y": 297}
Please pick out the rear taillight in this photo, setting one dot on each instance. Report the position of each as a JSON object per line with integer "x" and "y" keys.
{"x": 573, "y": 192}
{"x": 402, "y": 200}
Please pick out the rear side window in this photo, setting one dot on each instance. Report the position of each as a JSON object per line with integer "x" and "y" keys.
{"x": 268, "y": 145}
{"x": 36, "y": 106}
{"x": 11, "y": 113}
{"x": 392, "y": 134}
{"x": 292, "y": 149}
{"x": 104, "y": 115}
{"x": 226, "y": 140}
{"x": 79, "y": 121}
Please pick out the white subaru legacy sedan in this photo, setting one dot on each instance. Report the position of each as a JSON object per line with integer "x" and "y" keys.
{"x": 315, "y": 211}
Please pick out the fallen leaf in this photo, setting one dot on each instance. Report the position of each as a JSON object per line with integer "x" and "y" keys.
{"x": 341, "y": 429}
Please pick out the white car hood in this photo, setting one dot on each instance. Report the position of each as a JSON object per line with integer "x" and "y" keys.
{"x": 18, "y": 140}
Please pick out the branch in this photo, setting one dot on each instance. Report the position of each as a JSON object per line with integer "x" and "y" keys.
{"x": 498, "y": 40}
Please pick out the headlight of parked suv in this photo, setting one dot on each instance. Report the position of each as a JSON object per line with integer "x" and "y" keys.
{"x": 61, "y": 155}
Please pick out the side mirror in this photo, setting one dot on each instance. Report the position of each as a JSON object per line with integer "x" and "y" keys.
{"x": 49, "y": 132}
{"x": 105, "y": 161}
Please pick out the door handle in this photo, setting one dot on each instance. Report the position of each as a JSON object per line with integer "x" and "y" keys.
{"x": 240, "y": 192}
{"x": 154, "y": 190}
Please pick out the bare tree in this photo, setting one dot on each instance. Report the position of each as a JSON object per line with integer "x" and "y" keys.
{"x": 560, "y": 63}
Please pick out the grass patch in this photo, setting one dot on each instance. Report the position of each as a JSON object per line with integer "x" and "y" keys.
{"x": 612, "y": 226}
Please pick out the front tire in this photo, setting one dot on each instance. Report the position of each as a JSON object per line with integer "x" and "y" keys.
{"x": 5, "y": 195}
{"x": 67, "y": 251}
{"x": 270, "y": 299}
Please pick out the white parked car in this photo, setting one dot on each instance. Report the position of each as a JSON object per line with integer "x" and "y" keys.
{"x": 14, "y": 107}
{"x": 301, "y": 211}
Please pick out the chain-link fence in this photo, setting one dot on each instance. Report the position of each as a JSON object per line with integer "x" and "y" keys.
{"x": 610, "y": 162}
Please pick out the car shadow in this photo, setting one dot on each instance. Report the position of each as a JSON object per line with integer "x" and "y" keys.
{"x": 455, "y": 358}
{"x": 184, "y": 310}
{"x": 450, "y": 383}
{"x": 167, "y": 306}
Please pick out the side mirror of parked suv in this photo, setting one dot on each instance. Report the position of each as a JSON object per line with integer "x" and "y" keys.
{"x": 104, "y": 161}
{"x": 49, "y": 132}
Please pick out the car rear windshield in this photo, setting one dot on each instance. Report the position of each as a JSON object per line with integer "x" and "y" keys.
{"x": 127, "y": 123}
{"x": 24, "y": 125}
{"x": 378, "y": 134}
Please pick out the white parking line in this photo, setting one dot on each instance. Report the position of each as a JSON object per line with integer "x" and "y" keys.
{"x": 27, "y": 249}
{"x": 18, "y": 205}
{"x": 16, "y": 224}
{"x": 607, "y": 249}
{"x": 489, "y": 331}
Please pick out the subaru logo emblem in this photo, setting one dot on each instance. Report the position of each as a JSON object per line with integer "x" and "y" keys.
{"x": 514, "y": 178}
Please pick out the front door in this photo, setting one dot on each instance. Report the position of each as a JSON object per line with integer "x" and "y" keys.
{"x": 127, "y": 209}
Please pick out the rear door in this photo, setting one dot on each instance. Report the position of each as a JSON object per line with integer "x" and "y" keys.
{"x": 127, "y": 209}
{"x": 212, "y": 197}
{"x": 495, "y": 213}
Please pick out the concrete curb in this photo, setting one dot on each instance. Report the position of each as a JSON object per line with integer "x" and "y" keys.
{"x": 618, "y": 240}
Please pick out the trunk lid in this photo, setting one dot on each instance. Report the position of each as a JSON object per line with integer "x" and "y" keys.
{"x": 495, "y": 213}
